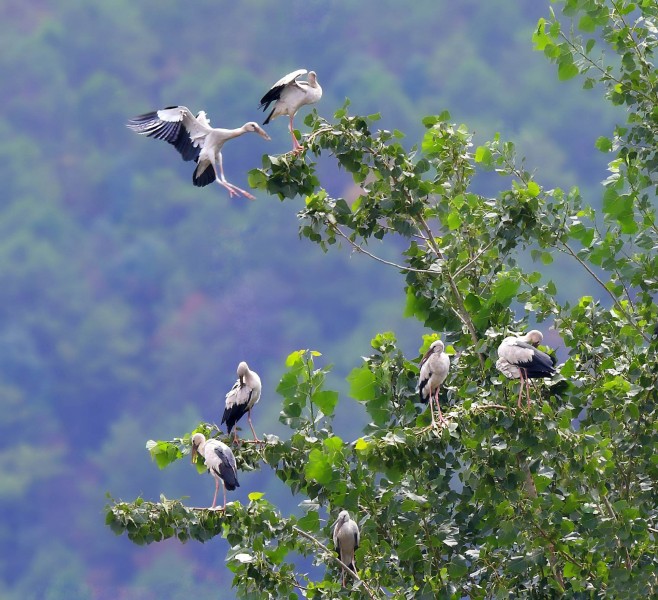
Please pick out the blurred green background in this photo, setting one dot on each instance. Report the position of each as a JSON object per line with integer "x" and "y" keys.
{"x": 128, "y": 296}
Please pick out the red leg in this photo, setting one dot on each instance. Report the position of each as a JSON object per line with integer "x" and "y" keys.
{"x": 214, "y": 498}
{"x": 438, "y": 406}
{"x": 296, "y": 146}
{"x": 252, "y": 427}
{"x": 518, "y": 402}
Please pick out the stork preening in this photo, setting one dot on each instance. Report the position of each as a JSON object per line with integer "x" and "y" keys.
{"x": 520, "y": 358}
{"x": 346, "y": 540}
{"x": 241, "y": 399}
{"x": 434, "y": 368}
{"x": 289, "y": 95}
{"x": 220, "y": 462}
{"x": 196, "y": 140}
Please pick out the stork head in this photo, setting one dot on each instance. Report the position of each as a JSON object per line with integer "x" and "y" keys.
{"x": 435, "y": 348}
{"x": 312, "y": 78}
{"x": 343, "y": 517}
{"x": 534, "y": 337}
{"x": 256, "y": 128}
{"x": 198, "y": 439}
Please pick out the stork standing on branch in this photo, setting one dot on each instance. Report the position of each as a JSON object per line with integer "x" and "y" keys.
{"x": 220, "y": 462}
{"x": 241, "y": 399}
{"x": 346, "y": 540}
{"x": 434, "y": 368}
{"x": 520, "y": 358}
{"x": 289, "y": 95}
{"x": 196, "y": 140}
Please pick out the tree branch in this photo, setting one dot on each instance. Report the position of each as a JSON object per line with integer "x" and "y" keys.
{"x": 331, "y": 556}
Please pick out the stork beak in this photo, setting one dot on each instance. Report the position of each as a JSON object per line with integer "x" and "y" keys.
{"x": 194, "y": 453}
{"x": 262, "y": 133}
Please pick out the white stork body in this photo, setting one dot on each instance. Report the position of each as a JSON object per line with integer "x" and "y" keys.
{"x": 434, "y": 368}
{"x": 346, "y": 540}
{"x": 196, "y": 140}
{"x": 220, "y": 461}
{"x": 241, "y": 399}
{"x": 289, "y": 95}
{"x": 519, "y": 358}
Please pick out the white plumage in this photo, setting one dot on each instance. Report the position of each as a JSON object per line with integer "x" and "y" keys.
{"x": 346, "y": 540}
{"x": 289, "y": 95}
{"x": 241, "y": 399}
{"x": 220, "y": 462}
{"x": 434, "y": 368}
{"x": 196, "y": 140}
{"x": 519, "y": 358}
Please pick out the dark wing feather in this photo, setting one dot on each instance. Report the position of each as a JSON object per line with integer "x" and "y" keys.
{"x": 272, "y": 96}
{"x": 422, "y": 384}
{"x": 206, "y": 178}
{"x": 233, "y": 414}
{"x": 171, "y": 131}
{"x": 227, "y": 469}
{"x": 540, "y": 365}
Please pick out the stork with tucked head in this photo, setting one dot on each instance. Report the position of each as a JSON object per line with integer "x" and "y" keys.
{"x": 346, "y": 540}
{"x": 289, "y": 95}
{"x": 434, "y": 368}
{"x": 520, "y": 358}
{"x": 220, "y": 462}
{"x": 241, "y": 399}
{"x": 196, "y": 140}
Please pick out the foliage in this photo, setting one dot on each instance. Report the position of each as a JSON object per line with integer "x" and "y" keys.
{"x": 557, "y": 500}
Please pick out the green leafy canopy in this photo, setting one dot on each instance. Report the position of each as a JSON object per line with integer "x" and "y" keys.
{"x": 555, "y": 501}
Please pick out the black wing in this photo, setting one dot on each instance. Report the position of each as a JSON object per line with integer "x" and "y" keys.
{"x": 227, "y": 471}
{"x": 167, "y": 125}
{"x": 234, "y": 414}
{"x": 540, "y": 365}
{"x": 206, "y": 178}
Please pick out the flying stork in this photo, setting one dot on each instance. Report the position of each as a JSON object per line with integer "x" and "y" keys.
{"x": 196, "y": 140}
{"x": 241, "y": 399}
{"x": 346, "y": 540}
{"x": 434, "y": 368}
{"x": 519, "y": 358}
{"x": 220, "y": 462}
{"x": 289, "y": 95}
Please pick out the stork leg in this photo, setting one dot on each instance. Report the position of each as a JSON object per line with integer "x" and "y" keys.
{"x": 214, "y": 498}
{"x": 518, "y": 402}
{"x": 434, "y": 397}
{"x": 296, "y": 146}
{"x": 442, "y": 420}
{"x": 233, "y": 190}
{"x": 252, "y": 427}
{"x": 527, "y": 390}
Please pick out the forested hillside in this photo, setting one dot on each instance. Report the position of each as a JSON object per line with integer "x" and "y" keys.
{"x": 128, "y": 296}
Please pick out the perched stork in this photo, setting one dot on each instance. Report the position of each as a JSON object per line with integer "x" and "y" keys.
{"x": 289, "y": 95}
{"x": 519, "y": 358}
{"x": 196, "y": 140}
{"x": 220, "y": 461}
{"x": 346, "y": 540}
{"x": 241, "y": 399}
{"x": 434, "y": 368}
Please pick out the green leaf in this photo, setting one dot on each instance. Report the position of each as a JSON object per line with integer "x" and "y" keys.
{"x": 603, "y": 144}
{"x": 318, "y": 467}
{"x": 483, "y": 155}
{"x": 253, "y": 496}
{"x": 567, "y": 70}
{"x": 310, "y": 522}
{"x": 362, "y": 384}
{"x": 326, "y": 400}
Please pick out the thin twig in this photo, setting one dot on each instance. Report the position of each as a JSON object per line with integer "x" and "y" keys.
{"x": 331, "y": 556}
{"x": 362, "y": 250}
{"x": 603, "y": 285}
